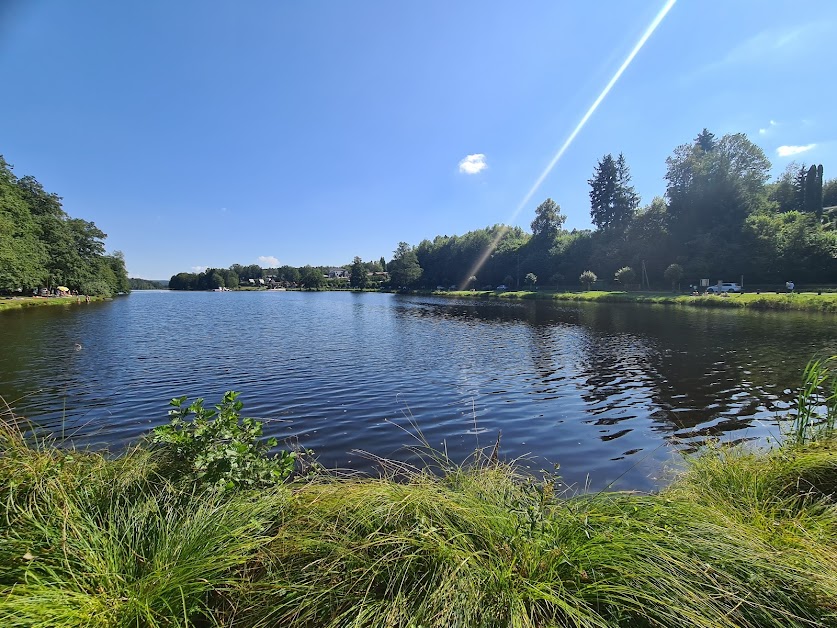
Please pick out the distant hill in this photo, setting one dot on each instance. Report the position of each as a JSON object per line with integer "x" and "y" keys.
{"x": 148, "y": 284}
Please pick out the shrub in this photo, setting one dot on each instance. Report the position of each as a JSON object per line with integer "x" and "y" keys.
{"x": 673, "y": 274}
{"x": 625, "y": 276}
{"x": 587, "y": 278}
{"x": 218, "y": 448}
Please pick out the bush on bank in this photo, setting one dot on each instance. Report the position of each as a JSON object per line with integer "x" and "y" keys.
{"x": 742, "y": 538}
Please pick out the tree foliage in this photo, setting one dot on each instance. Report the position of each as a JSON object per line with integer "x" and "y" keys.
{"x": 404, "y": 268}
{"x": 41, "y": 246}
{"x": 548, "y": 220}
{"x": 147, "y": 284}
{"x": 625, "y": 276}
{"x": 311, "y": 278}
{"x": 829, "y": 193}
{"x": 209, "y": 279}
{"x": 588, "y": 278}
{"x": 720, "y": 219}
{"x": 673, "y": 273}
{"x": 358, "y": 278}
{"x": 449, "y": 260}
{"x": 613, "y": 200}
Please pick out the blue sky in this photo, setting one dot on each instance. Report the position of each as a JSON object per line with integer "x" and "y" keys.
{"x": 202, "y": 133}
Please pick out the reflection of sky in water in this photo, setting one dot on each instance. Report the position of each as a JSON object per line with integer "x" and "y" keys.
{"x": 607, "y": 391}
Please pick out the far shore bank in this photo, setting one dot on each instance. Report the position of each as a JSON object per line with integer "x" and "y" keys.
{"x": 18, "y": 303}
{"x": 819, "y": 301}
{"x": 798, "y": 301}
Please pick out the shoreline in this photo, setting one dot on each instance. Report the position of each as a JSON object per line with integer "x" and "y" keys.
{"x": 736, "y": 521}
{"x": 825, "y": 302}
{"x": 797, "y": 302}
{"x": 8, "y": 304}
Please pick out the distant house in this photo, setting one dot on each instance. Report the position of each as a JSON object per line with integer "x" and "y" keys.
{"x": 338, "y": 273}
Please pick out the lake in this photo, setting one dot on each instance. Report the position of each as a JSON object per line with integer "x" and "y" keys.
{"x": 609, "y": 391}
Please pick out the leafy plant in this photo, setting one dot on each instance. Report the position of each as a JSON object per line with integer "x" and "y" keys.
{"x": 219, "y": 448}
{"x": 625, "y": 275}
{"x": 588, "y": 277}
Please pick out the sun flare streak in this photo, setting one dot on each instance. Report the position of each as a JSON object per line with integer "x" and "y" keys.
{"x": 501, "y": 232}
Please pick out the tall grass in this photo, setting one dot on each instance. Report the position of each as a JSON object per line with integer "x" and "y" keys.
{"x": 480, "y": 548}
{"x": 90, "y": 541}
{"x": 816, "y": 403}
{"x": 743, "y": 538}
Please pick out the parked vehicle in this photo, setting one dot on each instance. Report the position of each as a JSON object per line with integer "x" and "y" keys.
{"x": 501, "y": 287}
{"x": 723, "y": 287}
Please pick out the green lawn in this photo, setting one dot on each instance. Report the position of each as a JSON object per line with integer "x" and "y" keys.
{"x": 806, "y": 301}
{"x": 16, "y": 303}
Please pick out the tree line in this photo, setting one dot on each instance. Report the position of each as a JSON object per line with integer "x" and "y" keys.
{"x": 720, "y": 218}
{"x": 147, "y": 284}
{"x": 43, "y": 247}
{"x": 360, "y": 274}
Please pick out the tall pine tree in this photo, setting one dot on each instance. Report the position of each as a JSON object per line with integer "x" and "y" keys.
{"x": 810, "y": 188}
{"x": 613, "y": 200}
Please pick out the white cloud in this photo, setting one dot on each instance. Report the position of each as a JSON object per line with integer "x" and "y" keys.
{"x": 198, "y": 269}
{"x": 472, "y": 164}
{"x": 789, "y": 151}
{"x": 268, "y": 261}
{"x": 224, "y": 210}
{"x": 764, "y": 131}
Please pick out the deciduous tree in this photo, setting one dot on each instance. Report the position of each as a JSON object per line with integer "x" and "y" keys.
{"x": 548, "y": 220}
{"x": 358, "y": 278}
{"x": 625, "y": 276}
{"x": 404, "y": 269}
{"x": 311, "y": 278}
{"x": 673, "y": 273}
{"x": 588, "y": 278}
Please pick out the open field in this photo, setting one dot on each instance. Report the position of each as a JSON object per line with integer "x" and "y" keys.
{"x": 804, "y": 301}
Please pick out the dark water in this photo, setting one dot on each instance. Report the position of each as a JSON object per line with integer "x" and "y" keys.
{"x": 609, "y": 392}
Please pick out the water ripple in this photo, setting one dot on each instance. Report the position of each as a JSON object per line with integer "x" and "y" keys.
{"x": 606, "y": 391}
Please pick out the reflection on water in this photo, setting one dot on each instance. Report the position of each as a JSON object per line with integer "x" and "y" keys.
{"x": 607, "y": 391}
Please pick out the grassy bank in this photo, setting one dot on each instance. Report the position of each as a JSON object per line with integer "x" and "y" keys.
{"x": 742, "y": 538}
{"x": 17, "y": 303}
{"x": 812, "y": 302}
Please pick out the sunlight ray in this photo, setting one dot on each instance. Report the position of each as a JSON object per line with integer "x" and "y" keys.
{"x": 539, "y": 181}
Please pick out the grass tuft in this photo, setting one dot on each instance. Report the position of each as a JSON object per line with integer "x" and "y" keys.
{"x": 743, "y": 538}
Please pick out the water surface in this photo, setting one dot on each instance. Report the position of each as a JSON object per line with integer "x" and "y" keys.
{"x": 608, "y": 391}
